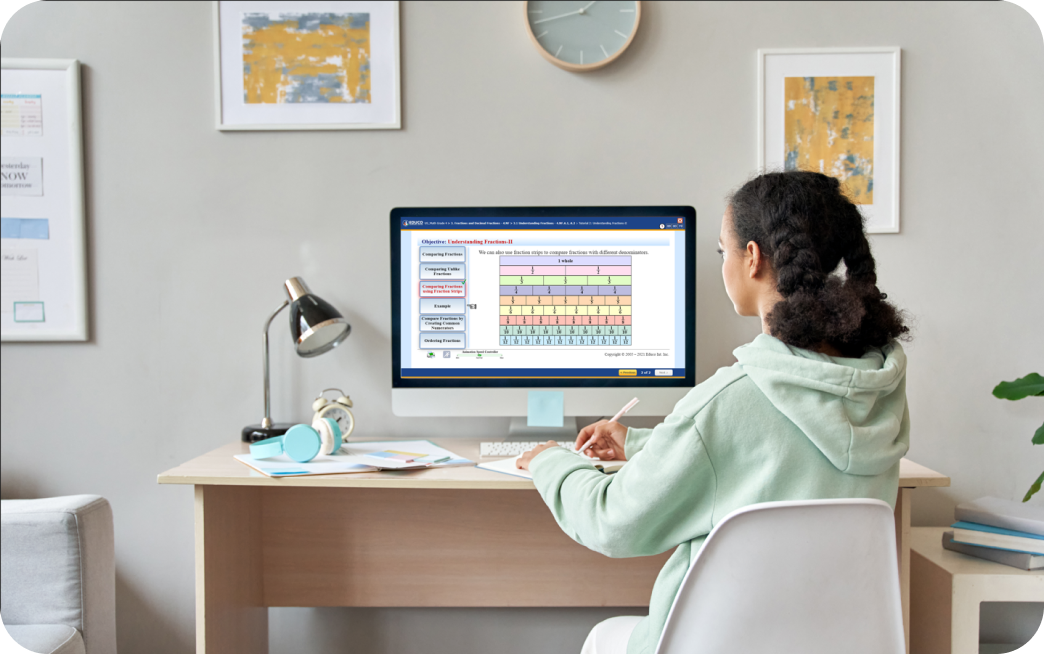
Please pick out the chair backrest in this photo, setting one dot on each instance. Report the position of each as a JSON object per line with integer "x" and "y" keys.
{"x": 809, "y": 577}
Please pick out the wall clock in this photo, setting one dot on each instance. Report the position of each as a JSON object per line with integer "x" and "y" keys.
{"x": 582, "y": 36}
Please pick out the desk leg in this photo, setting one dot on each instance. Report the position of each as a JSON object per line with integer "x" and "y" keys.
{"x": 902, "y": 542}
{"x": 933, "y": 607}
{"x": 230, "y": 612}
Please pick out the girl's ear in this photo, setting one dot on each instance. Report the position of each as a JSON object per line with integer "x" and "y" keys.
{"x": 756, "y": 262}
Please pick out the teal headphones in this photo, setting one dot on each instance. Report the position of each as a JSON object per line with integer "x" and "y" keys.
{"x": 302, "y": 443}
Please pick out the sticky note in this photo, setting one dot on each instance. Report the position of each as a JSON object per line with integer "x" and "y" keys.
{"x": 546, "y": 409}
{"x": 24, "y": 228}
{"x": 29, "y": 312}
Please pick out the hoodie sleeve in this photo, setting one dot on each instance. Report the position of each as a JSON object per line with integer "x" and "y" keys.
{"x": 663, "y": 496}
{"x": 635, "y": 440}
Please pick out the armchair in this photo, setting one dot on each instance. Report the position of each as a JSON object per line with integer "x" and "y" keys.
{"x": 58, "y": 574}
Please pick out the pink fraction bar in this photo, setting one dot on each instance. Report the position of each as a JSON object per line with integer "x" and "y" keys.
{"x": 532, "y": 270}
{"x": 565, "y": 320}
{"x": 598, "y": 270}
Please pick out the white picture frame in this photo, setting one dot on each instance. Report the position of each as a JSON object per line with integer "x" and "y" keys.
{"x": 43, "y": 216}
{"x": 883, "y": 64}
{"x": 381, "y": 111}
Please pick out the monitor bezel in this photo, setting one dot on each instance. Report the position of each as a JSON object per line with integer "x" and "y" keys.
{"x": 686, "y": 212}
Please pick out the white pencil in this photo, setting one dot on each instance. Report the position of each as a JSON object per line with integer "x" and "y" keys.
{"x": 627, "y": 407}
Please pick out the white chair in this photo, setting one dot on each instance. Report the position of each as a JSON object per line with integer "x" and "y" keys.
{"x": 58, "y": 581}
{"x": 810, "y": 577}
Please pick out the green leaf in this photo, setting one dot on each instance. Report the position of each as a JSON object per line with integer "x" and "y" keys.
{"x": 1034, "y": 488}
{"x": 1031, "y": 384}
{"x": 1038, "y": 436}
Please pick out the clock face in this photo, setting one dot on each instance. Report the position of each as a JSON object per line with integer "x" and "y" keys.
{"x": 582, "y": 35}
{"x": 342, "y": 416}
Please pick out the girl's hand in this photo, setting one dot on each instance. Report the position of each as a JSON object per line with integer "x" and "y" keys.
{"x": 527, "y": 457}
{"x": 609, "y": 440}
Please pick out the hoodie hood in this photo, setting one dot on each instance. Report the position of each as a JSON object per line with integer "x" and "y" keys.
{"x": 853, "y": 410}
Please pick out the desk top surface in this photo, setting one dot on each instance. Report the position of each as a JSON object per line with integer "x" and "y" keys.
{"x": 218, "y": 468}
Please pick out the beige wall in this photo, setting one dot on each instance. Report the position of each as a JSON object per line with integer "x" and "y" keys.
{"x": 191, "y": 232}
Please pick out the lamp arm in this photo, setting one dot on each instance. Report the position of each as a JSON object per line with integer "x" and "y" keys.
{"x": 266, "y": 423}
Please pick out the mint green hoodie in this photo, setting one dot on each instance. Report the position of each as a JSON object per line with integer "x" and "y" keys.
{"x": 781, "y": 424}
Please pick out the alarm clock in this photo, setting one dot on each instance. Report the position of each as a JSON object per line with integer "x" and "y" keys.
{"x": 338, "y": 410}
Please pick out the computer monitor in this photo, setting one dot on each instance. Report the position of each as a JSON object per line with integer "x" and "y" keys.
{"x": 490, "y": 303}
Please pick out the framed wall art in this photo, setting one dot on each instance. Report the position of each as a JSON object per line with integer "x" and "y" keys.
{"x": 835, "y": 111}
{"x": 43, "y": 282}
{"x": 307, "y": 65}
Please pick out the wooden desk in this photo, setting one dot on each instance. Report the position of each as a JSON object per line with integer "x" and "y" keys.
{"x": 442, "y": 537}
{"x": 950, "y": 589}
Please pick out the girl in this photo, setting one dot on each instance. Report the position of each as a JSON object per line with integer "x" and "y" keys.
{"x": 815, "y": 406}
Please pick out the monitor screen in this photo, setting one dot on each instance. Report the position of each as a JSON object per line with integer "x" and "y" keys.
{"x": 543, "y": 297}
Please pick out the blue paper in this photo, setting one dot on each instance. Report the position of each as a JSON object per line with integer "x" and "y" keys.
{"x": 546, "y": 409}
{"x": 24, "y": 228}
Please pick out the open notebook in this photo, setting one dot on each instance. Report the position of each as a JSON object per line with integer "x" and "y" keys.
{"x": 507, "y": 466}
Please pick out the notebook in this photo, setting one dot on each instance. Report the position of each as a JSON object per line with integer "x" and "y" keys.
{"x": 507, "y": 466}
{"x": 1021, "y": 560}
{"x": 1006, "y": 514}
{"x": 971, "y": 533}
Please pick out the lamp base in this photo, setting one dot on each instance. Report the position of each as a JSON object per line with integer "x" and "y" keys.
{"x": 255, "y": 433}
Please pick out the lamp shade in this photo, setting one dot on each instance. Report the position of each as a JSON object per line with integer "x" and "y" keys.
{"x": 315, "y": 325}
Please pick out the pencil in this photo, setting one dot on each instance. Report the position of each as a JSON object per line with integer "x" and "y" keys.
{"x": 619, "y": 414}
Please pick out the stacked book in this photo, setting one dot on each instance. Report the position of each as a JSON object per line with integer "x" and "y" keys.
{"x": 999, "y": 530}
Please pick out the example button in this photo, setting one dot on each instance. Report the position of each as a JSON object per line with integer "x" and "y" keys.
{"x": 663, "y": 373}
{"x": 628, "y": 373}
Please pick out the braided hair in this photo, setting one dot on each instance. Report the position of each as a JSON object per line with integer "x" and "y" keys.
{"x": 806, "y": 226}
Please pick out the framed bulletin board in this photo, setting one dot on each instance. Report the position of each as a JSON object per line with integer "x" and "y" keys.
{"x": 43, "y": 287}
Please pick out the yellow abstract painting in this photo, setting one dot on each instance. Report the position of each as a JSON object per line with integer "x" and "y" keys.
{"x": 314, "y": 57}
{"x": 829, "y": 128}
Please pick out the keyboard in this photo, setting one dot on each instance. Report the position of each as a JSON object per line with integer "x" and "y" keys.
{"x": 513, "y": 448}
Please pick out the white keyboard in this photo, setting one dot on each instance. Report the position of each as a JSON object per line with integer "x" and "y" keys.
{"x": 513, "y": 448}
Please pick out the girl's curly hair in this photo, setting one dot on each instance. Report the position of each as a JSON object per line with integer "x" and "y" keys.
{"x": 806, "y": 226}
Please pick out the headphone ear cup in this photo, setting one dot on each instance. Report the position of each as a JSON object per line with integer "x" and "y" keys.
{"x": 338, "y": 440}
{"x": 302, "y": 443}
{"x": 330, "y": 434}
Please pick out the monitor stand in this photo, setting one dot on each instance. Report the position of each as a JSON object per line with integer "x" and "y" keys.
{"x": 520, "y": 431}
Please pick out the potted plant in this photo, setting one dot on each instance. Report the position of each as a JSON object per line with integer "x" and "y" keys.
{"x": 1029, "y": 386}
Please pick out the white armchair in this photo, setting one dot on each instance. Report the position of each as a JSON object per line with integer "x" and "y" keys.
{"x": 58, "y": 574}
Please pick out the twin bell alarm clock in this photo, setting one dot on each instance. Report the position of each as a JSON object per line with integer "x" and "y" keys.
{"x": 332, "y": 424}
{"x": 338, "y": 410}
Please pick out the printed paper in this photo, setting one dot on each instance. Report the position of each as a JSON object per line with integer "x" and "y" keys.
{"x": 21, "y": 114}
{"x": 19, "y": 278}
{"x": 21, "y": 176}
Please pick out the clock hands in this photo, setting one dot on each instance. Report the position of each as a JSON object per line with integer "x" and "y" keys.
{"x": 581, "y": 10}
{"x": 544, "y": 20}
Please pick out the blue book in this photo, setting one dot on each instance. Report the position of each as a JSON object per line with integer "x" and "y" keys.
{"x": 973, "y": 533}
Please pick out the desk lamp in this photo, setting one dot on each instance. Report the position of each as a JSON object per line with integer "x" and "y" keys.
{"x": 316, "y": 328}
